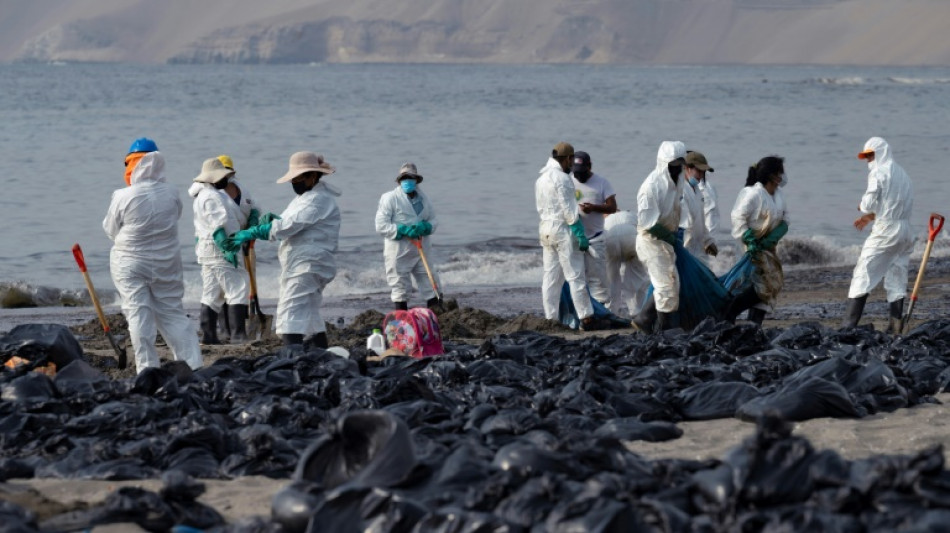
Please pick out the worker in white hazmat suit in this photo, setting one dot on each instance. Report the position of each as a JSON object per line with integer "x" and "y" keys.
{"x": 759, "y": 221}
{"x": 696, "y": 237}
{"x": 595, "y": 199}
{"x": 697, "y": 162}
{"x": 626, "y": 276}
{"x": 223, "y": 276}
{"x": 562, "y": 236}
{"x": 405, "y": 216}
{"x": 145, "y": 260}
{"x": 309, "y": 231}
{"x": 658, "y": 217}
{"x": 887, "y": 203}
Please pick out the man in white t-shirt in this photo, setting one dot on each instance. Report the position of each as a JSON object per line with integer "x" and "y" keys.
{"x": 596, "y": 199}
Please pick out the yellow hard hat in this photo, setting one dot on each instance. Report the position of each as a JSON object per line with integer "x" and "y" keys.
{"x": 226, "y": 161}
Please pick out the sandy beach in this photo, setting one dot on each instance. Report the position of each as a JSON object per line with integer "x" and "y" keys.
{"x": 810, "y": 295}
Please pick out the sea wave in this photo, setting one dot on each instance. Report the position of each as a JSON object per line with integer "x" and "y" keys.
{"x": 918, "y": 81}
{"x": 19, "y": 294}
{"x": 847, "y": 80}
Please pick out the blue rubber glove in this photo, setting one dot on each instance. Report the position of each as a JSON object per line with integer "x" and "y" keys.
{"x": 253, "y": 218}
{"x": 261, "y": 231}
{"x": 403, "y": 230}
{"x": 577, "y": 228}
{"x": 660, "y": 232}
{"x": 769, "y": 241}
{"x": 268, "y": 218}
{"x": 751, "y": 243}
{"x": 423, "y": 228}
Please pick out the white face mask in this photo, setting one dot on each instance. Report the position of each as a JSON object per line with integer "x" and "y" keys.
{"x": 784, "y": 181}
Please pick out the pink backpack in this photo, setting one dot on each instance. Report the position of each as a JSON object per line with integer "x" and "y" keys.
{"x": 414, "y": 332}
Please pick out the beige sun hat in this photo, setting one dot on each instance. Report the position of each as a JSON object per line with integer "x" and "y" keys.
{"x": 409, "y": 169}
{"x": 302, "y": 162}
{"x": 213, "y": 171}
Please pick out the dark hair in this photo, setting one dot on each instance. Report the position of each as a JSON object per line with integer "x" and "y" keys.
{"x": 764, "y": 170}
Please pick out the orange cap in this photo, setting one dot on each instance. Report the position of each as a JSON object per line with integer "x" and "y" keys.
{"x": 865, "y": 154}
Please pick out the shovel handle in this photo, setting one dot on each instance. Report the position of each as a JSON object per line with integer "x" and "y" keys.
{"x": 934, "y": 230}
{"x": 425, "y": 263}
{"x": 80, "y": 260}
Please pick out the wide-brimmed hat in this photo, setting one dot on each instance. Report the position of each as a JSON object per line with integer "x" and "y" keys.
{"x": 409, "y": 170}
{"x": 213, "y": 171}
{"x": 303, "y": 162}
{"x": 698, "y": 160}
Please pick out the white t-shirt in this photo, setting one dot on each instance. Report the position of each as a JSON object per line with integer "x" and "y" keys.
{"x": 595, "y": 191}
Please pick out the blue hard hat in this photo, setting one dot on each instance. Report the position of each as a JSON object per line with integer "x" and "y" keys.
{"x": 143, "y": 144}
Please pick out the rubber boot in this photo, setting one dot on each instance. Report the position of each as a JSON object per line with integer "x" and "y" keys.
{"x": 403, "y": 306}
{"x": 238, "y": 318}
{"x": 645, "y": 320}
{"x": 225, "y": 321}
{"x": 208, "y": 320}
{"x": 896, "y": 309}
{"x": 854, "y": 311}
{"x": 292, "y": 338}
{"x": 664, "y": 321}
{"x": 740, "y": 303}
{"x": 318, "y": 341}
{"x": 434, "y": 303}
{"x": 756, "y": 316}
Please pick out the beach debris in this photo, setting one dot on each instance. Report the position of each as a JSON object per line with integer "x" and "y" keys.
{"x": 39, "y": 347}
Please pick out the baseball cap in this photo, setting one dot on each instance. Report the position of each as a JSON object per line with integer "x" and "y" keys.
{"x": 562, "y": 149}
{"x": 698, "y": 160}
{"x": 581, "y": 161}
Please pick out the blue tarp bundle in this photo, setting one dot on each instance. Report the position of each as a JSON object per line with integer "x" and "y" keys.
{"x": 567, "y": 315}
{"x": 739, "y": 277}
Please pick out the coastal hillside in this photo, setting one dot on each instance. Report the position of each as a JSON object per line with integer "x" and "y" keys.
{"x": 846, "y": 32}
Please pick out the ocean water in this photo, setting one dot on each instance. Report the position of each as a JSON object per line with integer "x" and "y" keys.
{"x": 479, "y": 135}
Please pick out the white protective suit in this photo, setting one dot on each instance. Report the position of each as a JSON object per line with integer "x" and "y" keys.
{"x": 220, "y": 281}
{"x": 400, "y": 257}
{"x": 658, "y": 202}
{"x": 595, "y": 190}
{"x": 692, "y": 219}
{"x": 710, "y": 206}
{"x": 145, "y": 263}
{"x": 626, "y": 276}
{"x": 886, "y": 251}
{"x": 561, "y": 256}
{"x": 761, "y": 212}
{"x": 309, "y": 231}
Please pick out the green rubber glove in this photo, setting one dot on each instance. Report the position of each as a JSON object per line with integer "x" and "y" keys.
{"x": 222, "y": 242}
{"x": 751, "y": 243}
{"x": 231, "y": 257}
{"x": 577, "y": 228}
{"x": 769, "y": 241}
{"x": 268, "y": 218}
{"x": 260, "y": 231}
{"x": 660, "y": 232}
{"x": 403, "y": 230}
{"x": 423, "y": 228}
{"x": 253, "y": 218}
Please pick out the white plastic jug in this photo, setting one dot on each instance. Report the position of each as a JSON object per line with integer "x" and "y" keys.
{"x": 376, "y": 342}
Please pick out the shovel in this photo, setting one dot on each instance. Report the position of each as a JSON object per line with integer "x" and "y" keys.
{"x": 425, "y": 263}
{"x": 934, "y": 230}
{"x": 256, "y": 320}
{"x": 81, "y": 261}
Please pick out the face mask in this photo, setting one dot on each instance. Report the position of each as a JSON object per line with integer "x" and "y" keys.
{"x": 221, "y": 185}
{"x": 784, "y": 181}
{"x": 408, "y": 186}
{"x": 300, "y": 187}
{"x": 131, "y": 161}
{"x": 693, "y": 181}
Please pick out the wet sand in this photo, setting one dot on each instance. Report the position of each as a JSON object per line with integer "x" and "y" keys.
{"x": 810, "y": 295}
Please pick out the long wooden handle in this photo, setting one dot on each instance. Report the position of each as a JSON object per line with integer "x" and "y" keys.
{"x": 81, "y": 261}
{"x": 425, "y": 263}
{"x": 920, "y": 272}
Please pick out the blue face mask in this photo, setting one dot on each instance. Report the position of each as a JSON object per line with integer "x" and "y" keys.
{"x": 693, "y": 181}
{"x": 408, "y": 186}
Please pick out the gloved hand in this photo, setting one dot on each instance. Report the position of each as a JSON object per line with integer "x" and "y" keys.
{"x": 712, "y": 250}
{"x": 402, "y": 230}
{"x": 260, "y": 231}
{"x": 660, "y": 232}
{"x": 253, "y": 218}
{"x": 769, "y": 241}
{"x": 577, "y": 228}
{"x": 222, "y": 242}
{"x": 231, "y": 257}
{"x": 423, "y": 228}
{"x": 751, "y": 243}
{"x": 268, "y": 218}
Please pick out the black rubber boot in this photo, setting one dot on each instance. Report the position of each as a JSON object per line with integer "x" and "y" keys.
{"x": 740, "y": 303}
{"x": 292, "y": 338}
{"x": 238, "y": 318}
{"x": 434, "y": 303}
{"x": 225, "y": 320}
{"x": 318, "y": 341}
{"x": 756, "y": 316}
{"x": 854, "y": 311}
{"x": 664, "y": 321}
{"x": 645, "y": 320}
{"x": 895, "y": 317}
{"x": 404, "y": 306}
{"x": 208, "y": 320}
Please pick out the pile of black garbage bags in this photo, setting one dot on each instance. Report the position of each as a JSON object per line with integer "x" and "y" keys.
{"x": 524, "y": 433}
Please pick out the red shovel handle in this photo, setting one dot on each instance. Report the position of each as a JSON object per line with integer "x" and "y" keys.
{"x": 934, "y": 230}
{"x": 81, "y": 261}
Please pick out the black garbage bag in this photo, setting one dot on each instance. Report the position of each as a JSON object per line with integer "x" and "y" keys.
{"x": 456, "y": 520}
{"x": 711, "y": 400}
{"x": 180, "y": 491}
{"x": 52, "y": 342}
{"x": 631, "y": 429}
{"x": 803, "y": 399}
{"x": 15, "y": 519}
{"x": 33, "y": 390}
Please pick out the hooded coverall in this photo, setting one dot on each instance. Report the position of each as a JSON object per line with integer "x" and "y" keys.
{"x": 626, "y": 276}
{"x": 761, "y": 212}
{"x": 214, "y": 209}
{"x": 400, "y": 257}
